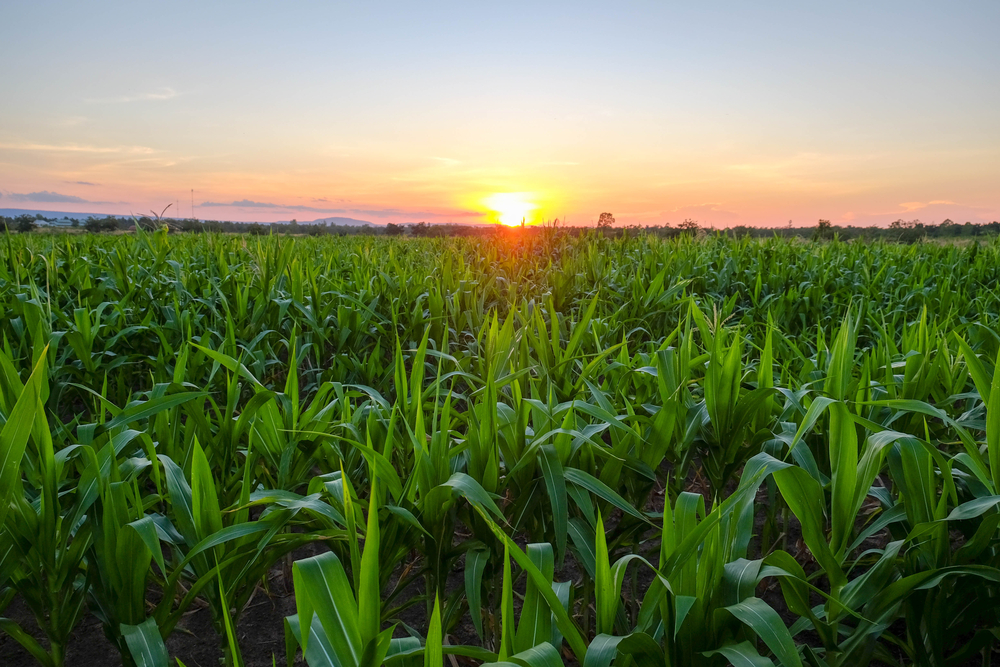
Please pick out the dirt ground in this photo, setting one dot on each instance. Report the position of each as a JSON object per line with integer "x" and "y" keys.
{"x": 260, "y": 629}
{"x": 260, "y": 633}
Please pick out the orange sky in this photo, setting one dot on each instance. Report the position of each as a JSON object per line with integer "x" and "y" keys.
{"x": 732, "y": 115}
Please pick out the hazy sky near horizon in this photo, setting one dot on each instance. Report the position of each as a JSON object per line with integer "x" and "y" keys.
{"x": 724, "y": 112}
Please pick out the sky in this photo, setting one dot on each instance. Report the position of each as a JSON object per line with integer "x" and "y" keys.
{"x": 724, "y": 112}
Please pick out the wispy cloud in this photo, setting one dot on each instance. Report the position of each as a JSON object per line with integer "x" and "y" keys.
{"x": 247, "y": 203}
{"x": 810, "y": 171}
{"x": 157, "y": 95}
{"x": 81, "y": 183}
{"x": 47, "y": 197}
{"x": 372, "y": 212}
{"x": 77, "y": 148}
{"x": 447, "y": 161}
{"x": 414, "y": 213}
{"x": 910, "y": 206}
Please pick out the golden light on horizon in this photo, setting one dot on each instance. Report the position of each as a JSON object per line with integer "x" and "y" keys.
{"x": 510, "y": 207}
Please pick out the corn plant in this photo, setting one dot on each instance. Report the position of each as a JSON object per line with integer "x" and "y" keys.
{"x": 606, "y": 450}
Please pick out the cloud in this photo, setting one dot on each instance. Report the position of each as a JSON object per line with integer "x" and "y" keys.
{"x": 822, "y": 173}
{"x": 246, "y": 203}
{"x": 447, "y": 161}
{"x": 401, "y": 212}
{"x": 249, "y": 203}
{"x": 157, "y": 95}
{"x": 76, "y": 148}
{"x": 81, "y": 183}
{"x": 374, "y": 212}
{"x": 47, "y": 197}
{"x": 909, "y": 207}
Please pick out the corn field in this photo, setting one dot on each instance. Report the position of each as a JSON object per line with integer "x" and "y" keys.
{"x": 532, "y": 450}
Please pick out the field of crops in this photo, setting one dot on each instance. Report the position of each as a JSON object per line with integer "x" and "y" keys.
{"x": 531, "y": 450}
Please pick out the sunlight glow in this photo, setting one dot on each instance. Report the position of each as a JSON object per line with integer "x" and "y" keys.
{"x": 510, "y": 207}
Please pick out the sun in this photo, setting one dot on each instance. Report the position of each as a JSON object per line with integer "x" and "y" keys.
{"x": 510, "y": 207}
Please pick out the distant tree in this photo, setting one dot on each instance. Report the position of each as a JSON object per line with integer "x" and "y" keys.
{"x": 75, "y": 223}
{"x": 666, "y": 231}
{"x": 189, "y": 225}
{"x": 256, "y": 229}
{"x": 948, "y": 228}
{"x": 823, "y": 231}
{"x": 24, "y": 223}
{"x": 605, "y": 222}
{"x": 907, "y": 231}
{"x": 689, "y": 226}
{"x": 95, "y": 225}
{"x": 421, "y": 229}
{"x": 392, "y": 229}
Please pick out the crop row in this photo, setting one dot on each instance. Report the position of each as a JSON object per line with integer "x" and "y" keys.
{"x": 529, "y": 451}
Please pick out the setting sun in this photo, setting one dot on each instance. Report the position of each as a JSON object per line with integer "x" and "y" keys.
{"x": 510, "y": 207}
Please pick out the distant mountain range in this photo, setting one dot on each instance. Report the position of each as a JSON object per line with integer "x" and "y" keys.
{"x": 14, "y": 212}
{"x": 343, "y": 222}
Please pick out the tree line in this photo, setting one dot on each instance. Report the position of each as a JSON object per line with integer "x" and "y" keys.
{"x": 902, "y": 231}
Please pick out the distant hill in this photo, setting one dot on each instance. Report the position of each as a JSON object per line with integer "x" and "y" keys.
{"x": 343, "y": 222}
{"x": 14, "y": 212}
